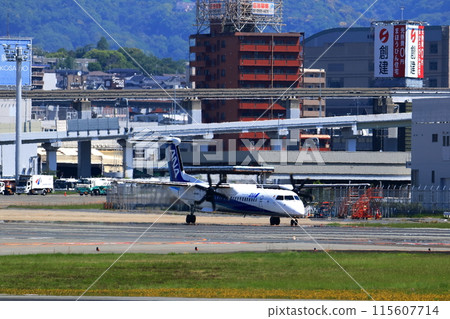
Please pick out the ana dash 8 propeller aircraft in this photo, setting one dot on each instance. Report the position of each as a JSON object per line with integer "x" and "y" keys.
{"x": 247, "y": 199}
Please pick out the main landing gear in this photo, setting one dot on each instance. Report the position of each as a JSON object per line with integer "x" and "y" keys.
{"x": 274, "y": 221}
{"x": 191, "y": 218}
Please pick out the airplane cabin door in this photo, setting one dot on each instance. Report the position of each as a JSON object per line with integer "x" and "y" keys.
{"x": 263, "y": 201}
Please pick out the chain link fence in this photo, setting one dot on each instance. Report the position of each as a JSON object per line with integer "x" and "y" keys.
{"x": 137, "y": 196}
{"x": 339, "y": 201}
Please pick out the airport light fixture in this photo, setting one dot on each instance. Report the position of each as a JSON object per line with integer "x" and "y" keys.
{"x": 18, "y": 54}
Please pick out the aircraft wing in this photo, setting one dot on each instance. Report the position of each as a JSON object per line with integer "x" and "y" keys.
{"x": 169, "y": 183}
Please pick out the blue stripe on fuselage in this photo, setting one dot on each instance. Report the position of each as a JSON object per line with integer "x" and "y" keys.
{"x": 232, "y": 205}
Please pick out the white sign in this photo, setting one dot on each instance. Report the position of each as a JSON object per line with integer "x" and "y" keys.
{"x": 399, "y": 51}
{"x": 414, "y": 58}
{"x": 263, "y": 8}
{"x": 8, "y": 69}
{"x": 384, "y": 51}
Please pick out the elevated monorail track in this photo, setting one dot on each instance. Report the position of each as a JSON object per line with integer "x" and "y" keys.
{"x": 228, "y": 94}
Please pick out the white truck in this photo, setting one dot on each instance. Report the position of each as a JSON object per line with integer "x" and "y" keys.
{"x": 34, "y": 184}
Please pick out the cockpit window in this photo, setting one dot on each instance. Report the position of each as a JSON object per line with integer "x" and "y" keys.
{"x": 280, "y": 197}
{"x": 289, "y": 197}
{"x": 297, "y": 198}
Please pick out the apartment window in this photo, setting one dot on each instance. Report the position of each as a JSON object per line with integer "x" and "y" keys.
{"x": 434, "y": 48}
{"x": 432, "y": 83}
{"x": 336, "y": 67}
{"x": 433, "y": 177}
{"x": 433, "y": 65}
{"x": 335, "y": 82}
{"x": 434, "y": 138}
{"x": 446, "y": 140}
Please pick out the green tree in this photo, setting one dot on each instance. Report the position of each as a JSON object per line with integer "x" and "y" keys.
{"x": 103, "y": 44}
{"x": 108, "y": 59}
{"x": 94, "y": 66}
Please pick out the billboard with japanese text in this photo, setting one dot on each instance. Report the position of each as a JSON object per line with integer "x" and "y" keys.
{"x": 384, "y": 51}
{"x": 263, "y": 8}
{"x": 8, "y": 69}
{"x": 398, "y": 51}
{"x": 216, "y": 9}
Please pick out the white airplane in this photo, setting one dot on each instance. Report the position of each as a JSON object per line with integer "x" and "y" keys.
{"x": 247, "y": 199}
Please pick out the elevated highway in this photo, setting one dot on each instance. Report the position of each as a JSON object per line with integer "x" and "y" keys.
{"x": 95, "y": 132}
{"x": 225, "y": 94}
{"x": 127, "y": 137}
{"x": 356, "y": 122}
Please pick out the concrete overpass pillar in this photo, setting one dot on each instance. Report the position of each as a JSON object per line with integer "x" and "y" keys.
{"x": 84, "y": 159}
{"x": 83, "y": 108}
{"x": 127, "y": 149}
{"x": 194, "y": 109}
{"x": 51, "y": 149}
{"x": 293, "y": 112}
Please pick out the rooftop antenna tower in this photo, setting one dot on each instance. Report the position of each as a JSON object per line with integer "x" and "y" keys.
{"x": 223, "y": 16}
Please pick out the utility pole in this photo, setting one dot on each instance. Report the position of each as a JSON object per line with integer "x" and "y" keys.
{"x": 18, "y": 54}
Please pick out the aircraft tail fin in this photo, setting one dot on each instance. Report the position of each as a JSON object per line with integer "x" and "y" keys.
{"x": 176, "y": 169}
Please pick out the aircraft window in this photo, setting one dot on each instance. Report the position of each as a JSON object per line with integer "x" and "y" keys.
{"x": 280, "y": 197}
{"x": 289, "y": 197}
{"x": 297, "y": 198}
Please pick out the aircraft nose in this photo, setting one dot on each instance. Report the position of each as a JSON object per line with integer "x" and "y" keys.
{"x": 297, "y": 211}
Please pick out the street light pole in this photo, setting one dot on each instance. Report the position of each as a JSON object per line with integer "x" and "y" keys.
{"x": 18, "y": 54}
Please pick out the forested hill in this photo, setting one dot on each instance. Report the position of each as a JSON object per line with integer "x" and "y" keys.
{"x": 162, "y": 27}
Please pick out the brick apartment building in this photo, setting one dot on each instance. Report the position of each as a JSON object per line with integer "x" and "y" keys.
{"x": 246, "y": 60}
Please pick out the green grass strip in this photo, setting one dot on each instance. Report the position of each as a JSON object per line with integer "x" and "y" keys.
{"x": 421, "y": 276}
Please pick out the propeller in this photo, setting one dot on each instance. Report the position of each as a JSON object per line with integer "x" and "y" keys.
{"x": 210, "y": 193}
{"x": 298, "y": 189}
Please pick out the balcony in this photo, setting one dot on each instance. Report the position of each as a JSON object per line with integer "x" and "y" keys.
{"x": 259, "y": 106}
{"x": 287, "y": 48}
{"x": 314, "y": 80}
{"x": 255, "y": 47}
{"x": 254, "y": 62}
{"x": 198, "y": 78}
{"x": 269, "y": 48}
{"x": 294, "y": 63}
{"x": 197, "y": 49}
{"x": 252, "y": 118}
{"x": 254, "y": 135}
{"x": 269, "y": 62}
{"x": 254, "y": 77}
{"x": 269, "y": 77}
{"x": 197, "y": 64}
